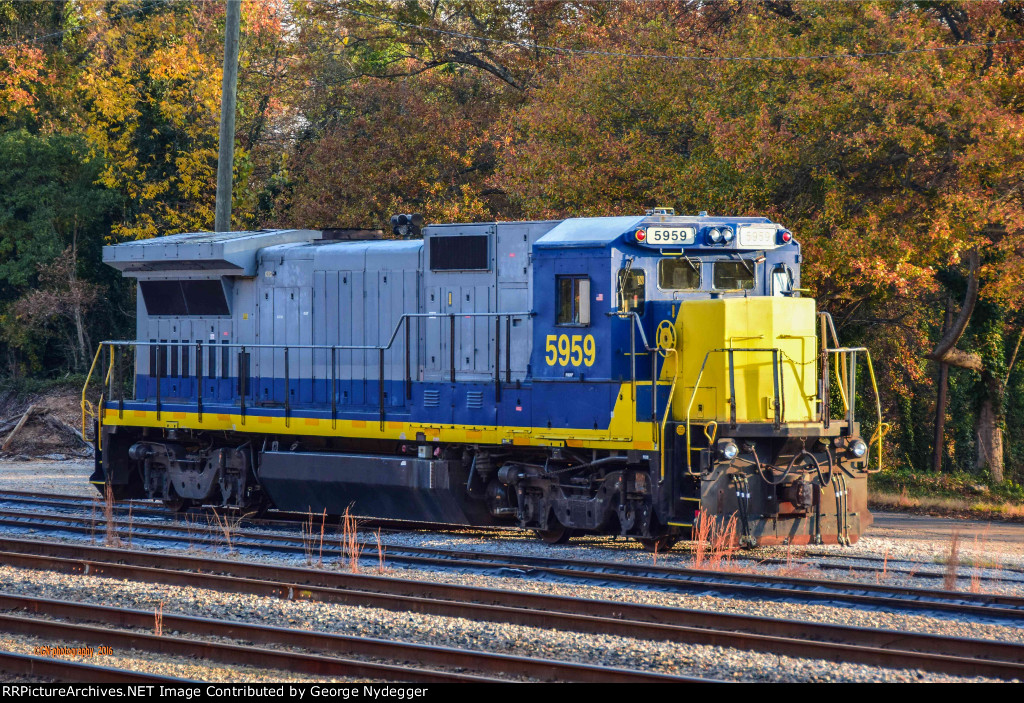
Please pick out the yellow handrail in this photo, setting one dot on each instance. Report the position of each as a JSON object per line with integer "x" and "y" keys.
{"x": 840, "y": 360}
{"x": 696, "y": 387}
{"x": 96, "y": 411}
{"x": 882, "y": 427}
{"x": 87, "y": 407}
{"x": 689, "y": 407}
{"x": 668, "y": 407}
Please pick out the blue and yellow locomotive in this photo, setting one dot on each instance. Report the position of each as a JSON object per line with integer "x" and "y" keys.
{"x": 609, "y": 375}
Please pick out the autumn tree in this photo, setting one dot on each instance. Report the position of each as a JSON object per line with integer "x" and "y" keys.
{"x": 889, "y": 167}
{"x": 401, "y": 101}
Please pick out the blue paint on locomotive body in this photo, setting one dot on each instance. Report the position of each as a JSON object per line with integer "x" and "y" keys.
{"x": 567, "y": 373}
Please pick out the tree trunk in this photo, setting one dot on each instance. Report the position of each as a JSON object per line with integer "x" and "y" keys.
{"x": 990, "y": 439}
{"x": 82, "y": 352}
{"x": 76, "y": 303}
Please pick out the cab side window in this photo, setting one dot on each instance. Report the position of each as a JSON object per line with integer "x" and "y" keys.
{"x": 632, "y": 293}
{"x": 782, "y": 280}
{"x": 573, "y": 300}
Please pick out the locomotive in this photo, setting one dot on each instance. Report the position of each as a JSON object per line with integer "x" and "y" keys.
{"x": 605, "y": 375}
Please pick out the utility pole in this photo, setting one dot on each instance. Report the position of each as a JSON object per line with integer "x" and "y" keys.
{"x": 940, "y": 403}
{"x": 225, "y": 159}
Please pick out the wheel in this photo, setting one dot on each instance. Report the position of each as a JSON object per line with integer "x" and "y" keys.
{"x": 657, "y": 544}
{"x": 557, "y": 535}
{"x": 178, "y": 505}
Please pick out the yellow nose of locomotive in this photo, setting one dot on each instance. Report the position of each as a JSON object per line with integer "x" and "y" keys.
{"x": 745, "y": 360}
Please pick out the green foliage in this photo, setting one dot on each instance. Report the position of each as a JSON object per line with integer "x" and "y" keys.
{"x": 889, "y": 169}
{"x": 956, "y": 484}
{"x": 48, "y": 197}
{"x": 27, "y": 386}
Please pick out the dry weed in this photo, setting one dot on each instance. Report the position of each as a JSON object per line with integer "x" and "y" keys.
{"x": 885, "y": 569}
{"x": 306, "y": 531}
{"x": 715, "y": 543}
{"x": 228, "y": 527}
{"x": 350, "y": 546}
{"x": 158, "y": 620}
{"x": 380, "y": 555}
{"x": 952, "y": 562}
{"x": 112, "y": 539}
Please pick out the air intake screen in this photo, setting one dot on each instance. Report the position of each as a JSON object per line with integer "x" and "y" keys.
{"x": 459, "y": 253}
{"x": 181, "y": 298}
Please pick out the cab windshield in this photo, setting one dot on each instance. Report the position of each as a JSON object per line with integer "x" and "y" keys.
{"x": 734, "y": 275}
{"x": 678, "y": 274}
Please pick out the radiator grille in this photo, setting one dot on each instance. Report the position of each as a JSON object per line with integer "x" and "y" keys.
{"x": 467, "y": 253}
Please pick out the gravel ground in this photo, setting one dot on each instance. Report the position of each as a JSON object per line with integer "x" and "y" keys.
{"x": 164, "y": 665}
{"x": 990, "y": 558}
{"x": 69, "y": 477}
{"x": 695, "y": 660}
{"x": 904, "y": 549}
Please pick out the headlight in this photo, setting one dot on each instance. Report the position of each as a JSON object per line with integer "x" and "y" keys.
{"x": 858, "y": 448}
{"x": 715, "y": 235}
{"x": 727, "y": 235}
{"x": 728, "y": 450}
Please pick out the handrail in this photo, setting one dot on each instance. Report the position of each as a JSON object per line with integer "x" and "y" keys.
{"x": 88, "y": 410}
{"x": 668, "y": 409}
{"x": 87, "y": 407}
{"x": 339, "y": 347}
{"x": 839, "y": 377}
{"x": 776, "y": 360}
{"x": 635, "y": 316}
{"x": 882, "y": 427}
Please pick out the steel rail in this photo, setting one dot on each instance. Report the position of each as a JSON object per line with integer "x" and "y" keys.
{"x": 45, "y": 667}
{"x": 678, "y": 579}
{"x": 148, "y": 507}
{"x": 868, "y": 646}
{"x": 295, "y": 662}
{"x": 193, "y": 528}
{"x": 280, "y": 518}
{"x": 332, "y": 643}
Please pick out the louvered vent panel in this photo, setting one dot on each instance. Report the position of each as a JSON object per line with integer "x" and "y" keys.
{"x": 431, "y": 398}
{"x": 475, "y": 400}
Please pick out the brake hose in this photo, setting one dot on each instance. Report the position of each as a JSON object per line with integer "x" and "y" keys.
{"x": 760, "y": 470}
{"x": 831, "y": 469}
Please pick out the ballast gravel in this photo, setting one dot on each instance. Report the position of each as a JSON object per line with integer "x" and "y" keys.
{"x": 161, "y": 664}
{"x": 670, "y": 658}
{"x": 977, "y": 557}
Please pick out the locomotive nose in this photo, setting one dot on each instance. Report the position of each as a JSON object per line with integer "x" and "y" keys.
{"x": 742, "y": 360}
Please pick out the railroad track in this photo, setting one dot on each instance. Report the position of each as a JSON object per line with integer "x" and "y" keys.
{"x": 670, "y": 579}
{"x": 813, "y": 561}
{"x": 957, "y": 656}
{"x": 335, "y": 652}
{"x": 279, "y": 519}
{"x": 45, "y": 667}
